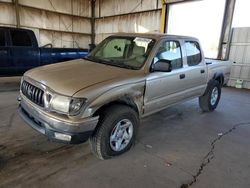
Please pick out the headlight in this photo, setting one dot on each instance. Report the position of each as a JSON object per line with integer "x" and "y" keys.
{"x": 60, "y": 104}
{"x": 63, "y": 104}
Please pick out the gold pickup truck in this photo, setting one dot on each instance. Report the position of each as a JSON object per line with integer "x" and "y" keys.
{"x": 125, "y": 78}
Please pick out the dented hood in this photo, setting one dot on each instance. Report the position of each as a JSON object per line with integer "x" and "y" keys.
{"x": 69, "y": 77}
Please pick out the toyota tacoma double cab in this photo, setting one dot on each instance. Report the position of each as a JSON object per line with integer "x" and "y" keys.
{"x": 102, "y": 97}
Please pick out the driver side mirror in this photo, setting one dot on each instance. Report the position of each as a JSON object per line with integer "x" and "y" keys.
{"x": 162, "y": 65}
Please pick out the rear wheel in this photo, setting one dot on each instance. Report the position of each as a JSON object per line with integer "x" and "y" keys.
{"x": 210, "y": 99}
{"x": 115, "y": 133}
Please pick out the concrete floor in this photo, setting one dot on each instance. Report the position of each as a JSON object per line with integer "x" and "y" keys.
{"x": 177, "y": 146}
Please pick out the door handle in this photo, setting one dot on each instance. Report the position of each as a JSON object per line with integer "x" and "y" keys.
{"x": 182, "y": 76}
{"x": 202, "y": 71}
{"x": 3, "y": 52}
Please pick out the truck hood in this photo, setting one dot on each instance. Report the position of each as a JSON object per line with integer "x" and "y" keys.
{"x": 69, "y": 77}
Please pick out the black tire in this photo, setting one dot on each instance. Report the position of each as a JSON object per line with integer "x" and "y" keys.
{"x": 205, "y": 100}
{"x": 100, "y": 140}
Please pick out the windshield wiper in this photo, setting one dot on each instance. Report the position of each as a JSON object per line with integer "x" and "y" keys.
{"x": 109, "y": 62}
{"x": 122, "y": 65}
{"x": 92, "y": 58}
{"x": 119, "y": 64}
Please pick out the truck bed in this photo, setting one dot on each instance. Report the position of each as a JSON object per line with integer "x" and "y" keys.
{"x": 55, "y": 55}
{"x": 218, "y": 66}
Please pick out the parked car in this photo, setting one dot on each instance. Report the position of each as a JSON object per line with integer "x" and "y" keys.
{"x": 19, "y": 52}
{"x": 125, "y": 78}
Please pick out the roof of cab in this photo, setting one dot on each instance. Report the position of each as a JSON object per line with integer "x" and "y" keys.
{"x": 14, "y": 28}
{"x": 156, "y": 36}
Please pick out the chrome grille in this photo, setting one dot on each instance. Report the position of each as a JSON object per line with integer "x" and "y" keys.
{"x": 33, "y": 93}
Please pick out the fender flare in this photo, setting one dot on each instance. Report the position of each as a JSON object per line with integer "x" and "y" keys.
{"x": 125, "y": 100}
{"x": 219, "y": 77}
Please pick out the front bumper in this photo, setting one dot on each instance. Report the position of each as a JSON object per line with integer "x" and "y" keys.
{"x": 74, "y": 132}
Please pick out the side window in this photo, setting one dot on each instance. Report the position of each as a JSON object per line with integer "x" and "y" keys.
{"x": 20, "y": 38}
{"x": 170, "y": 50}
{"x": 193, "y": 53}
{"x": 2, "y": 38}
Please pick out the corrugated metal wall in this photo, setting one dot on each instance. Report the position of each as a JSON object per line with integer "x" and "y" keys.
{"x": 63, "y": 23}
{"x": 240, "y": 56}
{"x": 67, "y": 23}
{"x": 114, "y": 16}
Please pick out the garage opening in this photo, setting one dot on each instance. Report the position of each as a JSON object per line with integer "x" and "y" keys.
{"x": 201, "y": 19}
{"x": 241, "y": 12}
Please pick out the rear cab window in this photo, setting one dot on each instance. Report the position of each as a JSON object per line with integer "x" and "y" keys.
{"x": 2, "y": 38}
{"x": 193, "y": 53}
{"x": 171, "y": 51}
{"x": 20, "y": 38}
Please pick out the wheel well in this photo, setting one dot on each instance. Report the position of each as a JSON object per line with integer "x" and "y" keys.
{"x": 220, "y": 79}
{"x": 125, "y": 101}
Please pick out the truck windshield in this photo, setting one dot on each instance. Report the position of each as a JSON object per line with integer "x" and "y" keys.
{"x": 125, "y": 52}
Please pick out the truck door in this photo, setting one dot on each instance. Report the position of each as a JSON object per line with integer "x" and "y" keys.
{"x": 6, "y": 67}
{"x": 24, "y": 53}
{"x": 165, "y": 88}
{"x": 195, "y": 67}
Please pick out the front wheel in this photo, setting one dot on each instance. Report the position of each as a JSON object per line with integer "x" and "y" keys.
{"x": 115, "y": 133}
{"x": 210, "y": 99}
